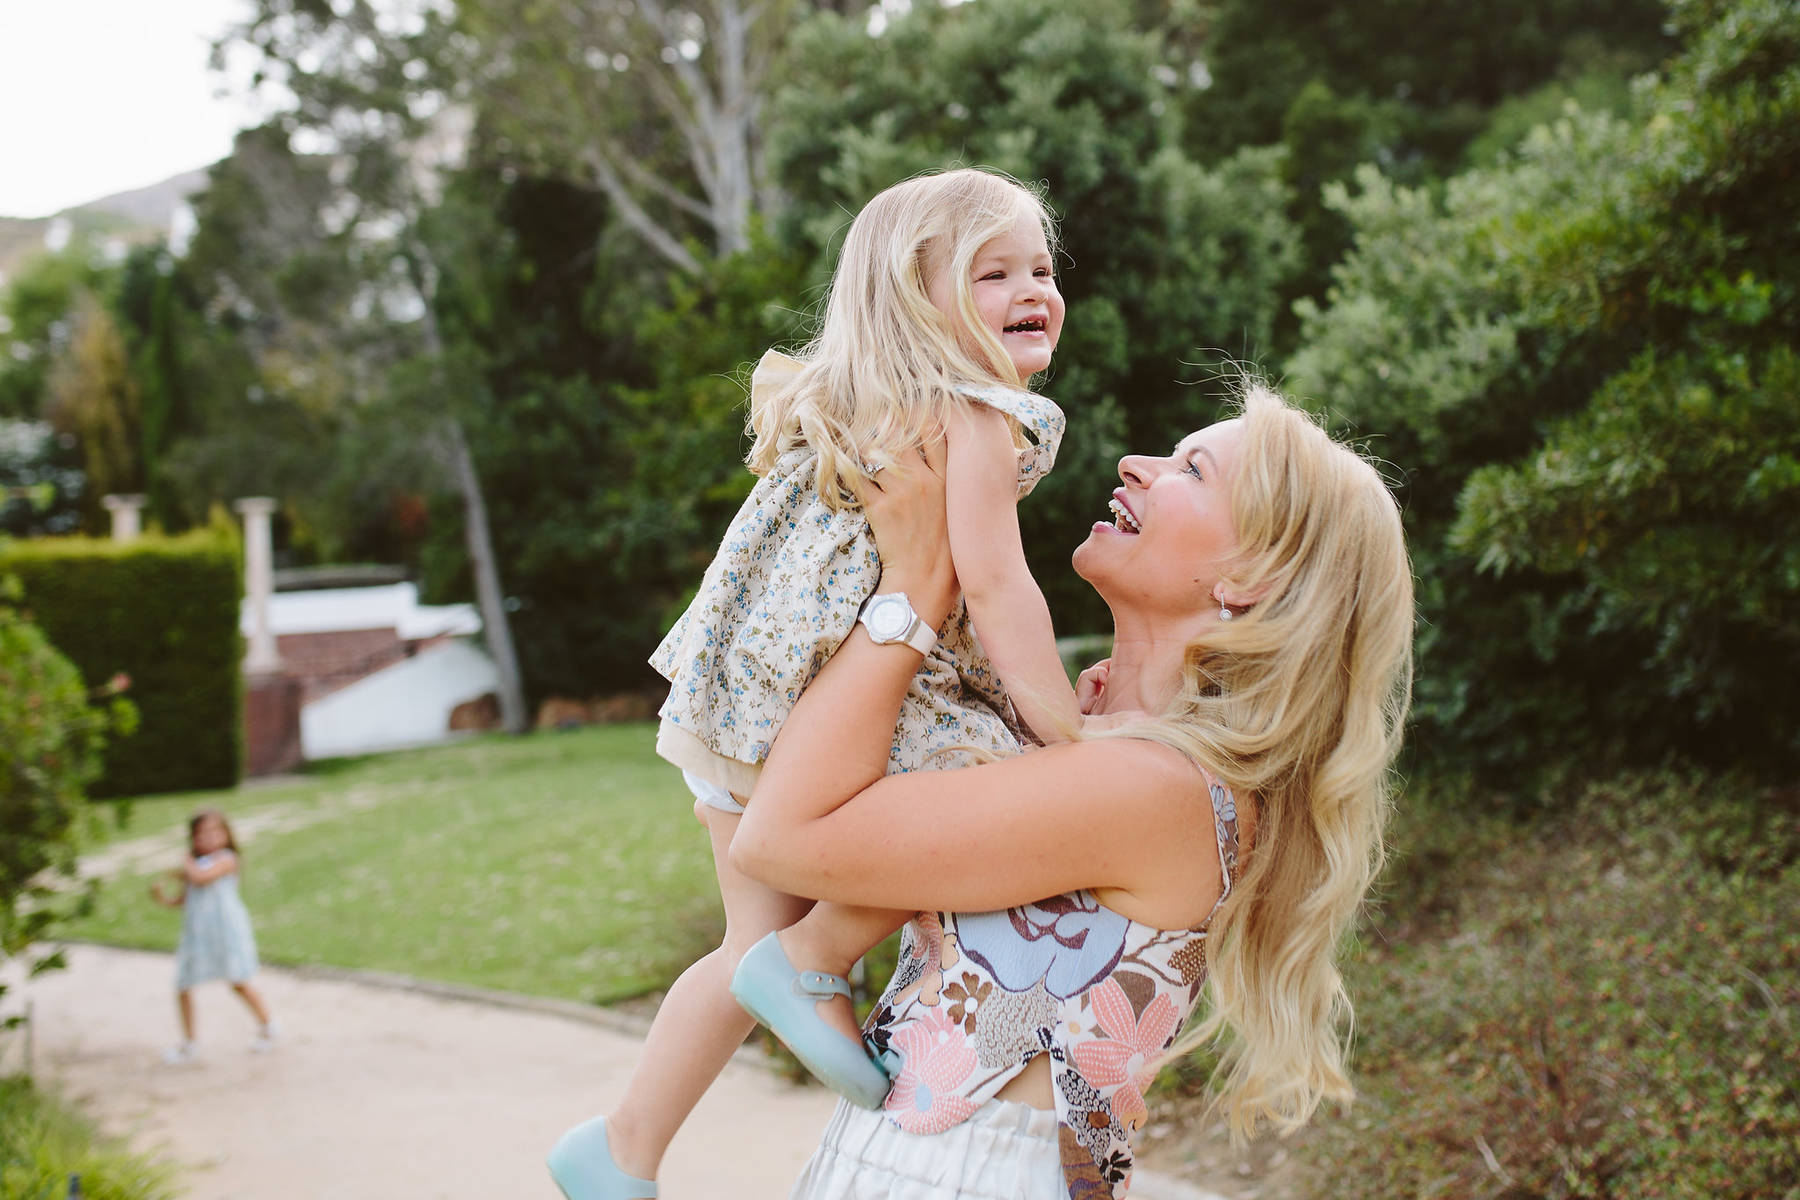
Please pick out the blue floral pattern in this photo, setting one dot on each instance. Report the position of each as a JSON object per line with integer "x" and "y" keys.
{"x": 783, "y": 592}
{"x": 1100, "y": 994}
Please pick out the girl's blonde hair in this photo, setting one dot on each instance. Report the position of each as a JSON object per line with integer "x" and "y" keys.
{"x": 1299, "y": 703}
{"x": 881, "y": 372}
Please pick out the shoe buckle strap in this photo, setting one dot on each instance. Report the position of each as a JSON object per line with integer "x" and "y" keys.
{"x": 821, "y": 984}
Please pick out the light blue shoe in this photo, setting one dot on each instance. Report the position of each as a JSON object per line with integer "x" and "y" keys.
{"x": 582, "y": 1165}
{"x": 786, "y": 1001}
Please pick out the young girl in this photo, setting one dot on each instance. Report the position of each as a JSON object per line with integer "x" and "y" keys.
{"x": 216, "y": 941}
{"x": 943, "y": 305}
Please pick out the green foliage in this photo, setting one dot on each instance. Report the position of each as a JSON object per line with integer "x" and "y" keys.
{"x": 43, "y": 1142}
{"x": 34, "y": 315}
{"x": 163, "y": 614}
{"x": 40, "y": 480}
{"x": 1169, "y": 267}
{"x": 1600, "y": 999}
{"x": 51, "y": 740}
{"x": 1579, "y": 355}
{"x": 1437, "y": 69}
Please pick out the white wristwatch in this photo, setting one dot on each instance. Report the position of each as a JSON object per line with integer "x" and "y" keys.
{"x": 890, "y": 618}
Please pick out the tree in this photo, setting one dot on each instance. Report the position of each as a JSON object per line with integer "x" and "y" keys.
{"x": 1171, "y": 270}
{"x": 1582, "y": 355}
{"x": 368, "y": 88}
{"x": 95, "y": 398}
{"x": 658, "y": 106}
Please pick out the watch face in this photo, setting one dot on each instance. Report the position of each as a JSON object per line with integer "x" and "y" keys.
{"x": 888, "y": 617}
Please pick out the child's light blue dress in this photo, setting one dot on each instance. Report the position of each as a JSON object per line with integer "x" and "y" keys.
{"x": 216, "y": 940}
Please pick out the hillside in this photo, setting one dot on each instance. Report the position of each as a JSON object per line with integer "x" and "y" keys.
{"x": 131, "y": 216}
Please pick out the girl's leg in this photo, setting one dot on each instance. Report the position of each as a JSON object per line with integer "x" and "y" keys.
{"x": 831, "y": 938}
{"x": 699, "y": 1025}
{"x": 184, "y": 1002}
{"x": 253, "y": 998}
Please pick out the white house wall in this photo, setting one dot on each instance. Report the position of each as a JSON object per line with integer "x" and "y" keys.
{"x": 407, "y": 704}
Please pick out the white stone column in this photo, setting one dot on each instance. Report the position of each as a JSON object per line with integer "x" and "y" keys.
{"x": 125, "y": 510}
{"x": 259, "y": 584}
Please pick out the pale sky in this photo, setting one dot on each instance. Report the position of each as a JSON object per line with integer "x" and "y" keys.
{"x": 102, "y": 96}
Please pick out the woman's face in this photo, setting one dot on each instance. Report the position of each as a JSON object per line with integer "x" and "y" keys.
{"x": 1172, "y": 536}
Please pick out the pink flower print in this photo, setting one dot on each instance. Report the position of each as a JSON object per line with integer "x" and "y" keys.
{"x": 935, "y": 1060}
{"x": 1124, "y": 1057}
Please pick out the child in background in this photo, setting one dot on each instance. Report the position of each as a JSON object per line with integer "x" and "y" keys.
{"x": 216, "y": 939}
{"x": 944, "y": 304}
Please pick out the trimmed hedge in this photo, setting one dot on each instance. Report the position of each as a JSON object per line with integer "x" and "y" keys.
{"x": 162, "y": 611}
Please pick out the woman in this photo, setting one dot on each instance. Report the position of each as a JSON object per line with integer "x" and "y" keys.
{"x": 1262, "y": 607}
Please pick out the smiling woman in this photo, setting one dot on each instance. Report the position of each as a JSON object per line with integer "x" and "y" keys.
{"x": 1217, "y": 841}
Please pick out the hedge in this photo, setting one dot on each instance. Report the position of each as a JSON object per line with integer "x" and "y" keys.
{"x": 162, "y": 611}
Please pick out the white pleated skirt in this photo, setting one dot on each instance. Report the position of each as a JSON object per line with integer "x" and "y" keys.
{"x": 1004, "y": 1151}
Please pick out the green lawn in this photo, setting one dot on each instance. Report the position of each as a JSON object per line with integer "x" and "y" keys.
{"x": 561, "y": 864}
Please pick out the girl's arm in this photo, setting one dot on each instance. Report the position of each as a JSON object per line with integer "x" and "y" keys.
{"x": 1004, "y": 601}
{"x": 222, "y": 865}
{"x": 828, "y": 822}
{"x": 165, "y": 899}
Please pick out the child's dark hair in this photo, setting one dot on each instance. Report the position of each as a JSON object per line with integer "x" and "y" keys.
{"x": 194, "y": 828}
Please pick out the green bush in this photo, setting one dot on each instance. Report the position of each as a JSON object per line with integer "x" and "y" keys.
{"x": 50, "y": 747}
{"x": 1581, "y": 356}
{"x": 1595, "y": 1003}
{"x": 42, "y": 1143}
{"x": 163, "y": 612}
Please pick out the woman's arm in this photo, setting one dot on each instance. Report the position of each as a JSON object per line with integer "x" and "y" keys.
{"x": 223, "y": 864}
{"x": 827, "y": 821}
{"x": 1004, "y": 601}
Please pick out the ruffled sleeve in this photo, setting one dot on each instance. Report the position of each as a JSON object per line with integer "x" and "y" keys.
{"x": 1040, "y": 419}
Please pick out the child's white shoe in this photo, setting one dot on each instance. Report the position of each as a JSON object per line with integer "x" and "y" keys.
{"x": 182, "y": 1054}
{"x": 265, "y": 1040}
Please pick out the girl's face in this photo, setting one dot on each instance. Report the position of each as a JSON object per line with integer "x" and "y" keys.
{"x": 209, "y": 835}
{"x": 1172, "y": 537}
{"x": 1013, "y": 281}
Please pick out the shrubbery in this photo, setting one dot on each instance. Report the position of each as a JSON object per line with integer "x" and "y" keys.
{"x": 42, "y": 1143}
{"x": 163, "y": 613}
{"x": 1597, "y": 1003}
{"x": 1581, "y": 357}
{"x": 50, "y": 746}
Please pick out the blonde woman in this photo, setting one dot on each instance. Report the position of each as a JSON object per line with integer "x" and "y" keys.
{"x": 1217, "y": 845}
{"x": 943, "y": 307}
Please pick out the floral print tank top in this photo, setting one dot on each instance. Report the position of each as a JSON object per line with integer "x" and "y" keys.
{"x": 783, "y": 592}
{"x": 976, "y": 996}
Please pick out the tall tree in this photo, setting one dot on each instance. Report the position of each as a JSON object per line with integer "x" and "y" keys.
{"x": 370, "y": 90}
{"x": 95, "y": 398}
{"x": 660, "y": 106}
{"x": 1583, "y": 357}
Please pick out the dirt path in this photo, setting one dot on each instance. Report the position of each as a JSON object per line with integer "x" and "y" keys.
{"x": 378, "y": 1092}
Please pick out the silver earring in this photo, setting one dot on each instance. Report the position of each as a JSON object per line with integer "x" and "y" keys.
{"x": 1224, "y": 611}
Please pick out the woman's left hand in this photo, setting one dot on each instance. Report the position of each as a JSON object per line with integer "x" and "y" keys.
{"x": 904, "y": 504}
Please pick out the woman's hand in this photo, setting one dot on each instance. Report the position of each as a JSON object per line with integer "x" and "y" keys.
{"x": 904, "y": 504}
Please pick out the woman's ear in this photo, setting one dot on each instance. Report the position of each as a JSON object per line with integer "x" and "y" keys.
{"x": 1239, "y": 597}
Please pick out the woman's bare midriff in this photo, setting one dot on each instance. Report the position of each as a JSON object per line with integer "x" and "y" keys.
{"x": 1030, "y": 1086}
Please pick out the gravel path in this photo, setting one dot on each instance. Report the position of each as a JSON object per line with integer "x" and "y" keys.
{"x": 379, "y": 1091}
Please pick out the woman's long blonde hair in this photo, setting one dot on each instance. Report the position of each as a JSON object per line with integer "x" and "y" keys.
{"x": 1298, "y": 702}
{"x": 881, "y": 372}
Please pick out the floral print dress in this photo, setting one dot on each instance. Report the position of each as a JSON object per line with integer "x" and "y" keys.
{"x": 977, "y": 996}
{"x": 783, "y": 592}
